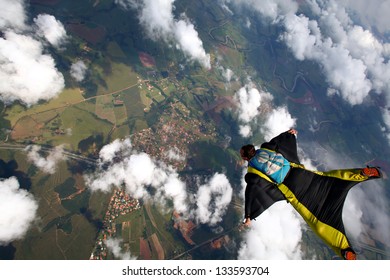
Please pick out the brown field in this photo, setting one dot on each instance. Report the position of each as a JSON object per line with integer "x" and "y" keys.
{"x": 26, "y": 127}
{"x": 145, "y": 253}
{"x": 126, "y": 229}
{"x": 104, "y": 108}
{"x": 147, "y": 60}
{"x": 92, "y": 35}
{"x": 120, "y": 115}
{"x": 158, "y": 247}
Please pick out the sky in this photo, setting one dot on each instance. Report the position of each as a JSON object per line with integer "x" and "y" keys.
{"x": 346, "y": 38}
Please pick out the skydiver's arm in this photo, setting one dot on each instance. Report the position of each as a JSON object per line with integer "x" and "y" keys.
{"x": 248, "y": 201}
{"x": 286, "y": 144}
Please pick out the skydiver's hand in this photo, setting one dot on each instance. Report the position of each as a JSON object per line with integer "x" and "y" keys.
{"x": 247, "y": 222}
{"x": 293, "y": 131}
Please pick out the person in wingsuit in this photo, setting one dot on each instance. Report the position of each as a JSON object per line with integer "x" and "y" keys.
{"x": 275, "y": 173}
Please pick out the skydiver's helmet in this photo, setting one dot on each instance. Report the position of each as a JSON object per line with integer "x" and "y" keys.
{"x": 247, "y": 152}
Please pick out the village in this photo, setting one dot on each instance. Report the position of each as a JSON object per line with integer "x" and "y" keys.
{"x": 170, "y": 139}
{"x": 120, "y": 204}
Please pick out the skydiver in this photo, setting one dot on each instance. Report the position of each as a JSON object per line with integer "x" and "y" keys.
{"x": 275, "y": 173}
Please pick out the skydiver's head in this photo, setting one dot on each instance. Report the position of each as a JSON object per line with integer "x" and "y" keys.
{"x": 247, "y": 152}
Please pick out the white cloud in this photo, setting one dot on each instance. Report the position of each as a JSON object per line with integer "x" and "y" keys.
{"x": 31, "y": 75}
{"x": 374, "y": 15}
{"x": 278, "y": 121}
{"x": 271, "y": 9}
{"x": 386, "y": 120}
{"x": 367, "y": 203}
{"x": 353, "y": 60}
{"x": 174, "y": 189}
{"x": 116, "y": 148}
{"x": 18, "y": 210}
{"x": 49, "y": 163}
{"x": 30, "y": 72}
{"x": 12, "y": 15}
{"x": 51, "y": 29}
{"x": 190, "y": 43}
{"x": 228, "y": 74}
{"x": 273, "y": 120}
{"x": 156, "y": 16}
{"x": 114, "y": 246}
{"x": 78, "y": 70}
{"x": 245, "y": 130}
{"x": 301, "y": 35}
{"x": 213, "y": 199}
{"x": 175, "y": 154}
{"x": 249, "y": 100}
{"x": 343, "y": 71}
{"x": 275, "y": 235}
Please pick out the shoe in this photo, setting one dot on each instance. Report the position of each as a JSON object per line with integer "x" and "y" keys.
{"x": 349, "y": 255}
{"x": 371, "y": 172}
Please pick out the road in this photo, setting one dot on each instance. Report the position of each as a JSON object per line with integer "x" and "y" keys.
{"x": 67, "y": 154}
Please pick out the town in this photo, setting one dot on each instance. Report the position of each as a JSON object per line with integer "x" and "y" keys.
{"x": 120, "y": 204}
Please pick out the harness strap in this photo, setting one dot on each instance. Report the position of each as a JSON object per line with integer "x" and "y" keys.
{"x": 261, "y": 174}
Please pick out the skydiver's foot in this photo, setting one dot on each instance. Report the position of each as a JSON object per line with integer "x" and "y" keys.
{"x": 371, "y": 172}
{"x": 349, "y": 255}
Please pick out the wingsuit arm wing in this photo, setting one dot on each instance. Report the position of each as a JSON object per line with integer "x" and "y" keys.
{"x": 286, "y": 144}
{"x": 260, "y": 194}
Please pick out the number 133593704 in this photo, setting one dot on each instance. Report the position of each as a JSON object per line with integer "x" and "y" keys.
{"x": 242, "y": 270}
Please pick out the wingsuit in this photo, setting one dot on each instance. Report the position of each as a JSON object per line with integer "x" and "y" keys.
{"x": 317, "y": 196}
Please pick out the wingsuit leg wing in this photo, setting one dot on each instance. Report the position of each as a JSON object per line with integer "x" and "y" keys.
{"x": 319, "y": 198}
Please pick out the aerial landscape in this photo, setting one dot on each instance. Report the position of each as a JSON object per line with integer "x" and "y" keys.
{"x": 121, "y": 123}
